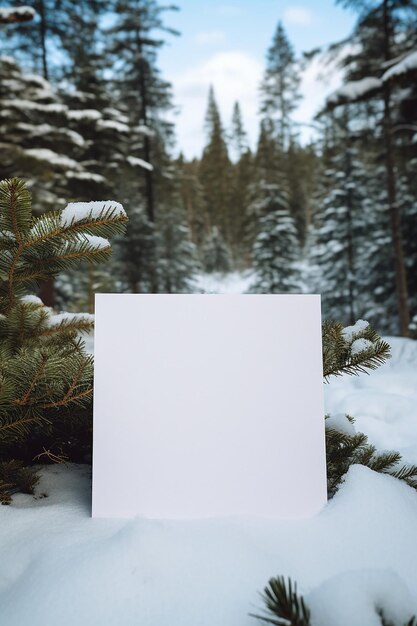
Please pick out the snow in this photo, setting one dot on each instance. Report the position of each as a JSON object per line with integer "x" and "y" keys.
{"x": 408, "y": 64}
{"x": 79, "y": 211}
{"x": 145, "y": 130}
{"x": 31, "y": 300}
{"x": 87, "y": 176}
{"x": 26, "y": 12}
{"x": 360, "y": 345}
{"x": 36, "y": 106}
{"x": 84, "y": 114}
{"x": 59, "y": 318}
{"x": 112, "y": 125}
{"x": 352, "y": 91}
{"x": 44, "y": 154}
{"x": 341, "y": 424}
{"x": 99, "y": 243}
{"x": 135, "y": 161}
{"x": 360, "y": 552}
{"x": 357, "y": 556}
{"x": 350, "y": 332}
{"x": 37, "y": 130}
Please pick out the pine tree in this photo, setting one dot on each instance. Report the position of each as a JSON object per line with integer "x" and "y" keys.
{"x": 81, "y": 41}
{"x": 176, "y": 254}
{"x": 35, "y": 141}
{"x": 280, "y": 88}
{"x": 32, "y": 41}
{"x": 275, "y": 250}
{"x": 215, "y": 172}
{"x": 191, "y": 192}
{"x": 238, "y": 139}
{"x": 45, "y": 373}
{"x": 137, "y": 253}
{"x": 216, "y": 255}
{"x": 242, "y": 220}
{"x": 133, "y": 42}
{"x": 383, "y": 33}
{"x": 339, "y": 241}
{"x": 146, "y": 96}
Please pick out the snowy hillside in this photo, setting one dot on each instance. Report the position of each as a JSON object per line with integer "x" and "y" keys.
{"x": 60, "y": 566}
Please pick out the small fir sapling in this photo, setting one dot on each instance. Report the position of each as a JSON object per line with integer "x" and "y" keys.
{"x": 46, "y": 376}
{"x": 351, "y": 350}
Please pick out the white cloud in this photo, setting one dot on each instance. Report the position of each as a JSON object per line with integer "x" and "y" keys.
{"x": 235, "y": 75}
{"x": 210, "y": 38}
{"x": 298, "y": 15}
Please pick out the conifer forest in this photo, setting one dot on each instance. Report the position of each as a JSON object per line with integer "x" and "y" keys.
{"x": 99, "y": 193}
{"x": 86, "y": 113}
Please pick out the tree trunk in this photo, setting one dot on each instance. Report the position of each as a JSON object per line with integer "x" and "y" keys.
{"x": 395, "y": 220}
{"x": 149, "y": 183}
{"x": 394, "y": 211}
{"x": 43, "y": 29}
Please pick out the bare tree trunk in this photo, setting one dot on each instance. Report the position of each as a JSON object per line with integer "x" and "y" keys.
{"x": 349, "y": 219}
{"x": 43, "y": 39}
{"x": 394, "y": 211}
{"x": 147, "y": 155}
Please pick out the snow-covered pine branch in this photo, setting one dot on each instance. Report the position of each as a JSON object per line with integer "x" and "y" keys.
{"x": 14, "y": 15}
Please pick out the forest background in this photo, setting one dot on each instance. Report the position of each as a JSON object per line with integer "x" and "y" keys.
{"x": 86, "y": 114}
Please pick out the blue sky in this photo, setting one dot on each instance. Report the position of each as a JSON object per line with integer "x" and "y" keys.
{"x": 224, "y": 43}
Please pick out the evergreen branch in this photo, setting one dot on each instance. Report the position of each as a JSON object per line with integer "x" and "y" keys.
{"x": 62, "y": 402}
{"x": 15, "y": 206}
{"x": 38, "y": 374}
{"x": 58, "y": 262}
{"x": 340, "y": 356}
{"x": 20, "y": 425}
{"x": 284, "y": 603}
{"x": 102, "y": 227}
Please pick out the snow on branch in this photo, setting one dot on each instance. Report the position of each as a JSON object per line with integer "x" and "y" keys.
{"x": 354, "y": 91}
{"x": 67, "y": 319}
{"x": 145, "y": 130}
{"x": 406, "y": 66}
{"x": 112, "y": 125}
{"x": 79, "y": 211}
{"x": 84, "y": 115}
{"x": 16, "y": 15}
{"x": 44, "y": 154}
{"x": 136, "y": 162}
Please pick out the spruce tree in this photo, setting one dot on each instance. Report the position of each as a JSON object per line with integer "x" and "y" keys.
{"x": 35, "y": 141}
{"x": 137, "y": 254}
{"x": 191, "y": 192}
{"x": 275, "y": 250}
{"x": 46, "y": 375}
{"x": 33, "y": 41}
{"x": 383, "y": 33}
{"x": 176, "y": 253}
{"x": 133, "y": 42}
{"x": 215, "y": 172}
{"x": 238, "y": 139}
{"x": 280, "y": 87}
{"x": 216, "y": 255}
{"x": 241, "y": 181}
{"x": 339, "y": 241}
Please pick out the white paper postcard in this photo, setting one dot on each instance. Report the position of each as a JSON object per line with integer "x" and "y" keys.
{"x": 208, "y": 405}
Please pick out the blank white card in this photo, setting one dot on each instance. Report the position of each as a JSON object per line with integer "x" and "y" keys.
{"x": 208, "y": 405}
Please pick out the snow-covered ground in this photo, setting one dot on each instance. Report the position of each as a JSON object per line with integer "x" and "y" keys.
{"x": 59, "y": 566}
